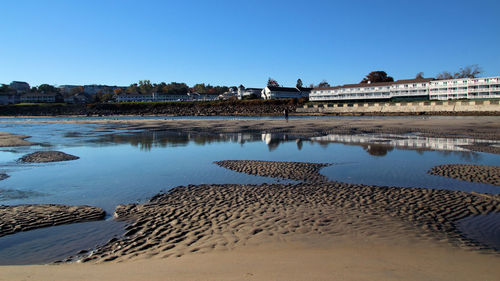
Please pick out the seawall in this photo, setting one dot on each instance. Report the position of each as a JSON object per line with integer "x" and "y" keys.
{"x": 456, "y": 107}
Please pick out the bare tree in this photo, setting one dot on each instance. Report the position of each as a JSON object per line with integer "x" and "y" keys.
{"x": 444, "y": 75}
{"x": 419, "y": 75}
{"x": 470, "y": 71}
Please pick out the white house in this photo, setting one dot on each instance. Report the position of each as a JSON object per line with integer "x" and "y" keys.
{"x": 38, "y": 98}
{"x": 247, "y": 92}
{"x": 232, "y": 92}
{"x": 284, "y": 93}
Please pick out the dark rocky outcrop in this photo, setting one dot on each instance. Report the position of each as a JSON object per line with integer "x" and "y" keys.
{"x": 47, "y": 156}
{"x": 215, "y": 108}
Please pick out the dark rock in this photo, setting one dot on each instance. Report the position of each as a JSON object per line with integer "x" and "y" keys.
{"x": 47, "y": 156}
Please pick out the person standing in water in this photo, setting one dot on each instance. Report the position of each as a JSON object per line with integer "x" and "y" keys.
{"x": 285, "y": 112}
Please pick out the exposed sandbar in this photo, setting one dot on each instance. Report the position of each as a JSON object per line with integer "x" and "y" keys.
{"x": 466, "y": 172}
{"x": 8, "y": 139}
{"x": 300, "y": 171}
{"x": 47, "y": 156}
{"x": 199, "y": 219}
{"x": 27, "y": 217}
{"x": 484, "y": 127}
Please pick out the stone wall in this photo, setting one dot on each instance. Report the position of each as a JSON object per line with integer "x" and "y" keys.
{"x": 420, "y": 107}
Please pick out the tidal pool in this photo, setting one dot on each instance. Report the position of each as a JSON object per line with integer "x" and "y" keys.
{"x": 118, "y": 167}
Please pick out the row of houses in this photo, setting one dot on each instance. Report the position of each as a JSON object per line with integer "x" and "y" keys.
{"x": 157, "y": 97}
{"x": 425, "y": 88}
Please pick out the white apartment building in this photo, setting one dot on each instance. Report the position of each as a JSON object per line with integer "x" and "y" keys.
{"x": 375, "y": 91}
{"x": 428, "y": 88}
{"x": 466, "y": 88}
{"x": 38, "y": 98}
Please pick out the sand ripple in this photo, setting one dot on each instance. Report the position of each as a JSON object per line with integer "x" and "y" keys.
{"x": 202, "y": 218}
{"x": 26, "y": 217}
{"x": 300, "y": 171}
{"x": 466, "y": 172}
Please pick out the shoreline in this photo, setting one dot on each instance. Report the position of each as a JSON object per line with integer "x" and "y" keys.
{"x": 486, "y": 127}
{"x": 313, "y": 229}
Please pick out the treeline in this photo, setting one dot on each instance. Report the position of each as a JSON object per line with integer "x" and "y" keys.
{"x": 173, "y": 88}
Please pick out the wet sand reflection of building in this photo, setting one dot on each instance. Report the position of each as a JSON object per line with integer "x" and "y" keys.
{"x": 374, "y": 144}
{"x": 381, "y": 144}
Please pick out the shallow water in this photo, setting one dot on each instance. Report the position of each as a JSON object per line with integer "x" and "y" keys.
{"x": 119, "y": 167}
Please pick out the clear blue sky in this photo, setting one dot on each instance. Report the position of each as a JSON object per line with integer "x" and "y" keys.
{"x": 242, "y": 42}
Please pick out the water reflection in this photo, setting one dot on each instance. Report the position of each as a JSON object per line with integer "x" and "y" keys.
{"x": 146, "y": 140}
{"x": 373, "y": 144}
{"x": 381, "y": 144}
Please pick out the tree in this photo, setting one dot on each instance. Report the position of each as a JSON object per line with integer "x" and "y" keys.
{"x": 272, "y": 83}
{"x": 47, "y": 89}
{"x": 117, "y": 91}
{"x": 376, "y": 77}
{"x": 323, "y": 84}
{"x": 133, "y": 89}
{"x": 145, "y": 87}
{"x": 103, "y": 97}
{"x": 76, "y": 91}
{"x": 5, "y": 89}
{"x": 444, "y": 75}
{"x": 419, "y": 75}
{"x": 299, "y": 83}
{"x": 470, "y": 71}
{"x": 175, "y": 88}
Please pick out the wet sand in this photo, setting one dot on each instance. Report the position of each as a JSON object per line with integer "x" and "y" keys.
{"x": 7, "y": 139}
{"x": 314, "y": 230}
{"x": 354, "y": 259}
{"x": 198, "y": 219}
{"x": 484, "y": 127}
{"x": 27, "y": 217}
{"x": 467, "y": 172}
{"x": 307, "y": 172}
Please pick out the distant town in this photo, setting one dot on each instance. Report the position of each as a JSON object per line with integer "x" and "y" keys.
{"x": 376, "y": 86}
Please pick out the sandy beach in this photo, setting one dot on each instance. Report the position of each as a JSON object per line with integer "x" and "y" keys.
{"x": 312, "y": 230}
{"x": 485, "y": 127}
{"x": 7, "y": 139}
